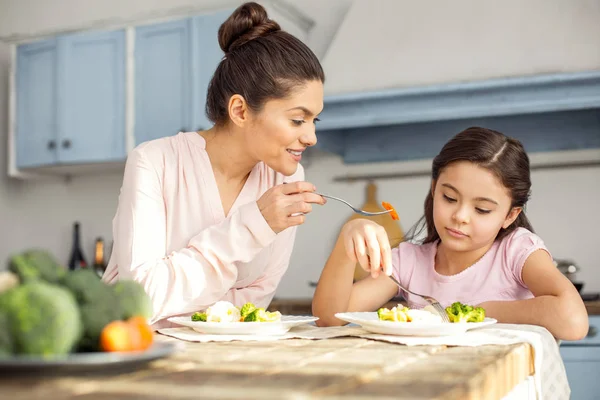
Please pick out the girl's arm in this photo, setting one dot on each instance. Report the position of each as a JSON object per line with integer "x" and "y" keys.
{"x": 360, "y": 241}
{"x": 557, "y": 305}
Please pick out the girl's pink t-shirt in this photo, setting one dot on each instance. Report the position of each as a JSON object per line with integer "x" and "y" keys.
{"x": 496, "y": 276}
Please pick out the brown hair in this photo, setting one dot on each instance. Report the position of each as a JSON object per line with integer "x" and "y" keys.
{"x": 502, "y": 155}
{"x": 261, "y": 62}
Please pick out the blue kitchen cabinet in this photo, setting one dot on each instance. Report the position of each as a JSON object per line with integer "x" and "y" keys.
{"x": 36, "y": 103}
{"x": 582, "y": 363}
{"x": 70, "y": 96}
{"x": 206, "y": 56}
{"x": 174, "y": 62}
{"x": 93, "y": 112}
{"x": 163, "y": 90}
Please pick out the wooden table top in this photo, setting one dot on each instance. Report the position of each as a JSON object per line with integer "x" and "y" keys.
{"x": 348, "y": 368}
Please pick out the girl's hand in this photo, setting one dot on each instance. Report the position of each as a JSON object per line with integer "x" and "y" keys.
{"x": 368, "y": 244}
{"x": 285, "y": 205}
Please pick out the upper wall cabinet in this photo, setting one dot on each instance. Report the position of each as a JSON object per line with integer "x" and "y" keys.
{"x": 548, "y": 113}
{"x": 70, "y": 100}
{"x": 174, "y": 62}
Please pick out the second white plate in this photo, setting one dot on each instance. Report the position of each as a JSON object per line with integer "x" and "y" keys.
{"x": 245, "y": 328}
{"x": 370, "y": 322}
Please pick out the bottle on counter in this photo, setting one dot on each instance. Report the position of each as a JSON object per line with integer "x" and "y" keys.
{"x": 99, "y": 263}
{"x": 77, "y": 259}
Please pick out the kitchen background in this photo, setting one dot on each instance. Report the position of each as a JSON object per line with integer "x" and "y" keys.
{"x": 364, "y": 46}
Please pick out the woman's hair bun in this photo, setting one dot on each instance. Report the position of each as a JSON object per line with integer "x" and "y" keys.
{"x": 249, "y": 21}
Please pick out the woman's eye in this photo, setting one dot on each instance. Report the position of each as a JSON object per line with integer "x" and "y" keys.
{"x": 482, "y": 211}
{"x": 316, "y": 120}
{"x": 449, "y": 199}
{"x": 298, "y": 122}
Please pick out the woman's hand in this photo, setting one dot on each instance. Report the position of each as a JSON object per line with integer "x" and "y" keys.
{"x": 367, "y": 243}
{"x": 285, "y": 205}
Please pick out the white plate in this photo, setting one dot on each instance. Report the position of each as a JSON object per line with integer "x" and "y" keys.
{"x": 370, "y": 322}
{"x": 245, "y": 328}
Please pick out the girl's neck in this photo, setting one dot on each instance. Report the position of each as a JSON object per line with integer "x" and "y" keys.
{"x": 228, "y": 153}
{"x": 450, "y": 262}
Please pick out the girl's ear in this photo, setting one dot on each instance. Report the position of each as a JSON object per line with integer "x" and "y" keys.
{"x": 512, "y": 216}
{"x": 432, "y": 187}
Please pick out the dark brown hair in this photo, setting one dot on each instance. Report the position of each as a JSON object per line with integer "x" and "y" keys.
{"x": 502, "y": 155}
{"x": 261, "y": 62}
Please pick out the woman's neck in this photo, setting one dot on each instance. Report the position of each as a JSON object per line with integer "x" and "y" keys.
{"x": 228, "y": 154}
{"x": 450, "y": 262}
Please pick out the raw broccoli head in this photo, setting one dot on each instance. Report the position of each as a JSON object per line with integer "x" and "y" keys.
{"x": 133, "y": 299}
{"x": 247, "y": 309}
{"x": 7, "y": 343}
{"x": 36, "y": 264}
{"x": 459, "y": 312}
{"x": 43, "y": 318}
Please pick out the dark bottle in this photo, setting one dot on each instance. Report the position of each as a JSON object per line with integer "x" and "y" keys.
{"x": 77, "y": 259}
{"x": 99, "y": 264}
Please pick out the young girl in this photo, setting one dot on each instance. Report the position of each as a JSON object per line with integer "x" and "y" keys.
{"x": 480, "y": 248}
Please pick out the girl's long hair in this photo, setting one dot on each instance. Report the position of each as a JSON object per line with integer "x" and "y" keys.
{"x": 502, "y": 155}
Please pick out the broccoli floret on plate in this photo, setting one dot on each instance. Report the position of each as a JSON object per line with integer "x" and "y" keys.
{"x": 459, "y": 312}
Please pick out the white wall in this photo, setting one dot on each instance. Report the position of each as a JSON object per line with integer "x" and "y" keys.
{"x": 429, "y": 42}
{"x": 564, "y": 205}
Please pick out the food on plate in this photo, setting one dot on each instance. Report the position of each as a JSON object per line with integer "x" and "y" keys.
{"x": 405, "y": 314}
{"x": 388, "y": 206}
{"x": 47, "y": 310}
{"x": 459, "y": 312}
{"x": 224, "y": 311}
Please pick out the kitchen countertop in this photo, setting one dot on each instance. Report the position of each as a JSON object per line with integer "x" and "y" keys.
{"x": 349, "y": 368}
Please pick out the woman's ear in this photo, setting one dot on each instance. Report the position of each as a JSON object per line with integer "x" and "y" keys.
{"x": 432, "y": 187}
{"x": 512, "y": 216}
{"x": 238, "y": 110}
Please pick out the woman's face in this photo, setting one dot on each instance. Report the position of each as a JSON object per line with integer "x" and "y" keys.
{"x": 284, "y": 128}
{"x": 470, "y": 206}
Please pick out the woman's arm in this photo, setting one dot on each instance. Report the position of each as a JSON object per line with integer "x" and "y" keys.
{"x": 336, "y": 292}
{"x": 557, "y": 305}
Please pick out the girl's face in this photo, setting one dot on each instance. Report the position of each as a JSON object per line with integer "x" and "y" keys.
{"x": 284, "y": 128}
{"x": 470, "y": 206}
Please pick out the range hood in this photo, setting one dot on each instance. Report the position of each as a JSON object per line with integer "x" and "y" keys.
{"x": 402, "y": 78}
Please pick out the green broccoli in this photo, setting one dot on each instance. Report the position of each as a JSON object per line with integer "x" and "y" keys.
{"x": 247, "y": 309}
{"x": 36, "y": 264}
{"x": 86, "y": 287}
{"x": 6, "y": 339}
{"x": 133, "y": 299}
{"x": 43, "y": 318}
{"x": 98, "y": 305}
{"x": 260, "y": 315}
{"x": 459, "y": 312}
{"x": 199, "y": 316}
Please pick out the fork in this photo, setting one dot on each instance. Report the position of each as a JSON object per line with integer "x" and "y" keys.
{"x": 436, "y": 304}
{"x": 356, "y": 210}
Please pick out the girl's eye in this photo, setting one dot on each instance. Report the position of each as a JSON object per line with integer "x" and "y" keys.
{"x": 316, "y": 120}
{"x": 449, "y": 199}
{"x": 298, "y": 122}
{"x": 482, "y": 211}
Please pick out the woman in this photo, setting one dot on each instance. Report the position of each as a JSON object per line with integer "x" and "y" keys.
{"x": 212, "y": 215}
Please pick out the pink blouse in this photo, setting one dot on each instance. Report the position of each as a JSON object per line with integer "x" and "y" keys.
{"x": 171, "y": 233}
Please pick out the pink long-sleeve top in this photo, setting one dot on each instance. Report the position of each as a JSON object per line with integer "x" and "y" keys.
{"x": 171, "y": 233}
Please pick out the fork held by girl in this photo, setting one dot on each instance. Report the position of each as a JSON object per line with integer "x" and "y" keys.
{"x": 479, "y": 248}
